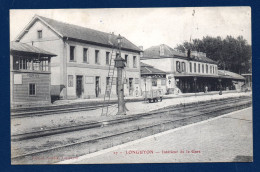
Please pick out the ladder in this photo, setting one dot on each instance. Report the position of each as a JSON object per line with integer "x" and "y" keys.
{"x": 111, "y": 71}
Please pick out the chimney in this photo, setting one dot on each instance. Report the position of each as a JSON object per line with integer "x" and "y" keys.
{"x": 141, "y": 47}
{"x": 194, "y": 53}
{"x": 161, "y": 50}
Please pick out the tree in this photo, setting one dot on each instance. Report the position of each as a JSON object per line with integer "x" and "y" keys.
{"x": 233, "y": 54}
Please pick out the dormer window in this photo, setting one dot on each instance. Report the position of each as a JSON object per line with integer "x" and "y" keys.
{"x": 39, "y": 34}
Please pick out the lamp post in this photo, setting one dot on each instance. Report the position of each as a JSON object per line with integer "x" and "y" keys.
{"x": 120, "y": 64}
{"x": 220, "y": 86}
{"x": 195, "y": 81}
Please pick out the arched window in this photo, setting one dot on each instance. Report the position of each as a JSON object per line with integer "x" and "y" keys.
{"x": 178, "y": 66}
{"x": 183, "y": 67}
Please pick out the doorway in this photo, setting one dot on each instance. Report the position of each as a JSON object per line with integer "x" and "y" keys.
{"x": 97, "y": 87}
{"x": 131, "y": 86}
{"x": 79, "y": 86}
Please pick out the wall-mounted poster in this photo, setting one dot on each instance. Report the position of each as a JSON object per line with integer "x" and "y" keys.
{"x": 18, "y": 79}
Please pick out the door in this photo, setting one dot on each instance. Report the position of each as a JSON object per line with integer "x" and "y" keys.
{"x": 97, "y": 88}
{"x": 131, "y": 86}
{"x": 79, "y": 86}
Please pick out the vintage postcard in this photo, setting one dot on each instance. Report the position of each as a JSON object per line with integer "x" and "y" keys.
{"x": 131, "y": 85}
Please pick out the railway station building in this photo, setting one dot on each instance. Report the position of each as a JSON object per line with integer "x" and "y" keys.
{"x": 30, "y": 75}
{"x": 193, "y": 72}
{"x": 152, "y": 79}
{"x": 81, "y": 67}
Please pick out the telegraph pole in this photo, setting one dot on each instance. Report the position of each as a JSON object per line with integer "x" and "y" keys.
{"x": 120, "y": 64}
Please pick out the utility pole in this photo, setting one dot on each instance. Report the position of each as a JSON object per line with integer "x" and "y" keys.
{"x": 120, "y": 64}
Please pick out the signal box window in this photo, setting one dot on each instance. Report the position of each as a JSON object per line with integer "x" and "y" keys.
{"x": 32, "y": 89}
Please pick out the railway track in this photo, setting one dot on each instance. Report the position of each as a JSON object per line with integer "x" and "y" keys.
{"x": 205, "y": 111}
{"x": 89, "y": 125}
{"x": 75, "y": 107}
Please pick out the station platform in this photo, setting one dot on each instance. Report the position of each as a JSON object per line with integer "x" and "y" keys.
{"x": 139, "y": 98}
{"x": 227, "y": 138}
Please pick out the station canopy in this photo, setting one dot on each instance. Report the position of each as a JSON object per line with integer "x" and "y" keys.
{"x": 19, "y": 48}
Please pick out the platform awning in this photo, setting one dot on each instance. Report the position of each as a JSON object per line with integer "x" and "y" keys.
{"x": 19, "y": 48}
{"x": 231, "y": 75}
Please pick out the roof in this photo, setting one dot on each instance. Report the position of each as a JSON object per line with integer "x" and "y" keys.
{"x": 168, "y": 52}
{"x": 18, "y": 47}
{"x": 66, "y": 30}
{"x": 150, "y": 70}
{"x": 228, "y": 74}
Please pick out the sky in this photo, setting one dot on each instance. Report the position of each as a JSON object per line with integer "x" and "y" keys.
{"x": 149, "y": 26}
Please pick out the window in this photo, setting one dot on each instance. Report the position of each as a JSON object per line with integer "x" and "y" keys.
{"x": 72, "y": 53}
{"x": 32, "y": 89}
{"x": 210, "y": 69}
{"x": 107, "y": 80}
{"x": 107, "y": 58}
{"x": 203, "y": 68}
{"x": 190, "y": 67}
{"x": 163, "y": 81}
{"x": 199, "y": 68}
{"x": 207, "y": 69}
{"x": 154, "y": 82}
{"x": 136, "y": 80}
{"x": 126, "y": 60}
{"x": 183, "y": 67}
{"x": 134, "y": 62}
{"x": 97, "y": 56}
{"x": 178, "y": 66}
{"x": 213, "y": 69}
{"x": 39, "y": 34}
{"x": 70, "y": 80}
{"x": 195, "y": 67}
{"x": 85, "y": 55}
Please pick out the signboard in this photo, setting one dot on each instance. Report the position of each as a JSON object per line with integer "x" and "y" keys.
{"x": 18, "y": 79}
{"x": 89, "y": 79}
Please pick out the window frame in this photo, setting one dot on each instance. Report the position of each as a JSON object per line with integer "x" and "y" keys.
{"x": 153, "y": 81}
{"x": 39, "y": 34}
{"x": 97, "y": 60}
{"x": 134, "y": 62}
{"x": 126, "y": 60}
{"x": 107, "y": 58}
{"x": 74, "y": 47}
{"x": 72, "y": 83}
{"x": 29, "y": 89}
{"x": 85, "y": 55}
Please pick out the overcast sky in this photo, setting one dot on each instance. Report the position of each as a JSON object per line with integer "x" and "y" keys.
{"x": 149, "y": 26}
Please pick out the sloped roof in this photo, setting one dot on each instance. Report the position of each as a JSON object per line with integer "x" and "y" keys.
{"x": 85, "y": 34}
{"x": 228, "y": 74}
{"x": 154, "y": 53}
{"x": 25, "y": 48}
{"x": 148, "y": 70}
